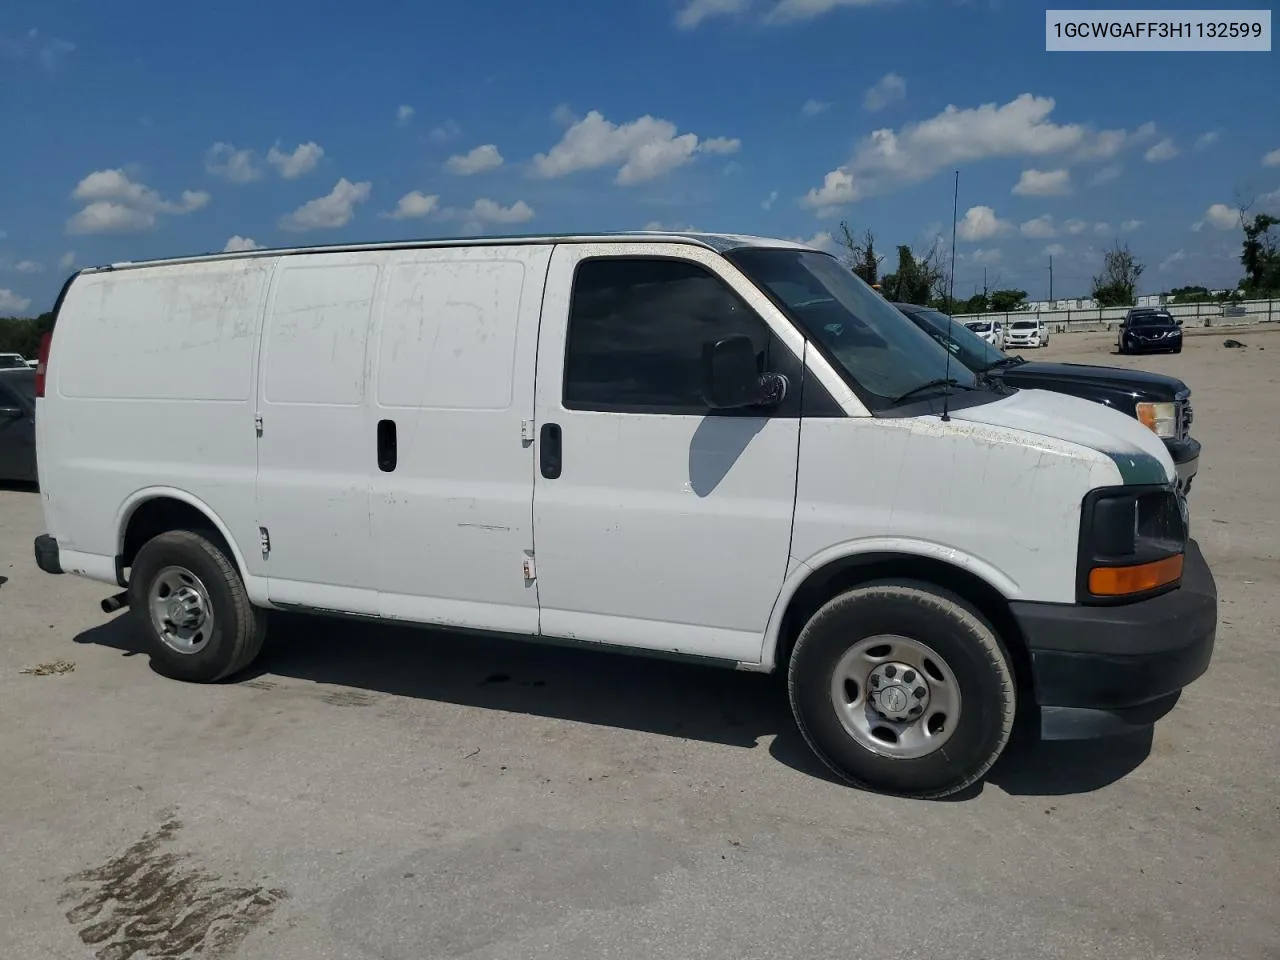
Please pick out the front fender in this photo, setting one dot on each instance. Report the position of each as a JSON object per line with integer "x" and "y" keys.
{"x": 800, "y": 570}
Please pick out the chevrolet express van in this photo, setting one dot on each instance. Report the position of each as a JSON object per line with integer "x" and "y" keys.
{"x": 717, "y": 447}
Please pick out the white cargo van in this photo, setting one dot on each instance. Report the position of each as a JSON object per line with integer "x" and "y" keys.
{"x": 717, "y": 447}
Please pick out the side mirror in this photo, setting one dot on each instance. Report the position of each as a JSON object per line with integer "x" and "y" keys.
{"x": 11, "y": 413}
{"x": 730, "y": 379}
{"x": 1178, "y": 321}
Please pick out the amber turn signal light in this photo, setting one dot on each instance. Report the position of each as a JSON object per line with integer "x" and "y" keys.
{"x": 1139, "y": 578}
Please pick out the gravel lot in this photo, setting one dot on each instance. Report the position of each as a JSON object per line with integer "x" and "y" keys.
{"x": 380, "y": 793}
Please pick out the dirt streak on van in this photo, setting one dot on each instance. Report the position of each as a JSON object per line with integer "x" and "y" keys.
{"x": 710, "y": 446}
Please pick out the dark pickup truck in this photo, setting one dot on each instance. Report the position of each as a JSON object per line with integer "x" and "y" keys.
{"x": 1161, "y": 403}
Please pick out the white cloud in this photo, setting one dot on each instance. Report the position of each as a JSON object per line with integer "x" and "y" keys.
{"x": 787, "y": 11}
{"x": 49, "y": 55}
{"x": 28, "y": 266}
{"x": 1162, "y": 151}
{"x": 404, "y": 114}
{"x": 696, "y": 11}
{"x": 479, "y": 160}
{"x": 11, "y": 303}
{"x": 984, "y": 258}
{"x": 889, "y": 89}
{"x": 1270, "y": 202}
{"x": 1074, "y": 226}
{"x": 1020, "y": 128}
{"x": 812, "y": 108}
{"x": 822, "y": 240}
{"x": 67, "y": 260}
{"x": 721, "y": 145}
{"x": 304, "y": 158}
{"x": 1208, "y": 139}
{"x": 116, "y": 204}
{"x": 485, "y": 210}
{"x": 1130, "y": 225}
{"x": 1108, "y": 173}
{"x": 1272, "y": 159}
{"x": 238, "y": 166}
{"x": 1043, "y": 183}
{"x": 1055, "y": 250}
{"x": 661, "y": 227}
{"x": 563, "y": 115}
{"x": 1220, "y": 217}
{"x": 238, "y": 244}
{"x": 1176, "y": 257}
{"x": 412, "y": 206}
{"x": 643, "y": 149}
{"x": 335, "y": 209}
{"x": 1039, "y": 228}
{"x": 449, "y": 130}
{"x": 768, "y": 202}
{"x": 981, "y": 223}
{"x": 1102, "y": 228}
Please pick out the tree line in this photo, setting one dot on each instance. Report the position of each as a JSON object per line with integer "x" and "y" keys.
{"x": 22, "y": 334}
{"x": 923, "y": 278}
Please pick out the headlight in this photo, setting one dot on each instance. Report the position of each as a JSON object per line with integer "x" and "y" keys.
{"x": 1132, "y": 543}
{"x": 1161, "y": 418}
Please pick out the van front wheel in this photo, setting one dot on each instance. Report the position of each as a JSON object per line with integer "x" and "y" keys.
{"x": 904, "y": 688}
{"x": 191, "y": 603}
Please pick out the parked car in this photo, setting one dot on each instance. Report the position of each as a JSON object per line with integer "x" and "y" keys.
{"x": 599, "y": 439}
{"x": 10, "y": 361}
{"x": 1032, "y": 332}
{"x": 1159, "y": 402}
{"x": 18, "y": 424}
{"x": 990, "y": 331}
{"x": 1148, "y": 329}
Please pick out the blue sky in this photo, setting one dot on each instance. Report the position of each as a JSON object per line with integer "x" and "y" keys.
{"x": 150, "y": 129}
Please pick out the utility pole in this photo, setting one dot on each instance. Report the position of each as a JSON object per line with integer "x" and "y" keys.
{"x": 1051, "y": 282}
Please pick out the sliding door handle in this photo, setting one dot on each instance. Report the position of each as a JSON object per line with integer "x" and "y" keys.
{"x": 386, "y": 445}
{"x": 550, "y": 454}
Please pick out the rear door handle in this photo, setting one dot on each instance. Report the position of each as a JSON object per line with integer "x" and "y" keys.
{"x": 549, "y": 450}
{"x": 386, "y": 445}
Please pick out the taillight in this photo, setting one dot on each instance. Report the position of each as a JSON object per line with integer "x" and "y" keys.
{"x": 42, "y": 363}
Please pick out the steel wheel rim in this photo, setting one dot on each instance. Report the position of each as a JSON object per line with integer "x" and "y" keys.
{"x": 181, "y": 612}
{"x": 877, "y": 686}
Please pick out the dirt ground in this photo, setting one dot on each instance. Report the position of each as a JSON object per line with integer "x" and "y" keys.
{"x": 384, "y": 793}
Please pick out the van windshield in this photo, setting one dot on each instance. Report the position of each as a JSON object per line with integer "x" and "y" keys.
{"x": 874, "y": 347}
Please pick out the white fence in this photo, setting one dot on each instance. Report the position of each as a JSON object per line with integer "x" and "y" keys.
{"x": 1108, "y": 318}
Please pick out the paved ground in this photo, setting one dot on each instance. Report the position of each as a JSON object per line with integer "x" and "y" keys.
{"x": 389, "y": 794}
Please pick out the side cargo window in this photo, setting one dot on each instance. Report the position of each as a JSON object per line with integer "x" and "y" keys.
{"x": 636, "y": 332}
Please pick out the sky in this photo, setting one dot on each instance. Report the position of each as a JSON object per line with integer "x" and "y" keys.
{"x": 150, "y": 129}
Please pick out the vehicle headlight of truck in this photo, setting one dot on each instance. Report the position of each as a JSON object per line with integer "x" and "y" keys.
{"x": 1132, "y": 543}
{"x": 1161, "y": 418}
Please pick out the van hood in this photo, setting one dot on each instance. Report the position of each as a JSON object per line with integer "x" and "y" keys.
{"x": 1137, "y": 452}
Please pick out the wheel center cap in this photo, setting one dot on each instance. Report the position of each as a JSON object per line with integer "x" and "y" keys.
{"x": 898, "y": 692}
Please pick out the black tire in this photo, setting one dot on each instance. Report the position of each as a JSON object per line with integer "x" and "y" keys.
{"x": 971, "y": 651}
{"x": 238, "y": 628}
{"x": 1178, "y": 348}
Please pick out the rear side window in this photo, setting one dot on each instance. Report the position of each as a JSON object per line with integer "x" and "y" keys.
{"x": 636, "y": 332}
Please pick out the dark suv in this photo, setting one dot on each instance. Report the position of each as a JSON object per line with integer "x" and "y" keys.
{"x": 1147, "y": 329}
{"x": 1161, "y": 403}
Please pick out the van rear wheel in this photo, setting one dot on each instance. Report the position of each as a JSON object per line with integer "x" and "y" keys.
{"x": 903, "y": 688}
{"x": 191, "y": 603}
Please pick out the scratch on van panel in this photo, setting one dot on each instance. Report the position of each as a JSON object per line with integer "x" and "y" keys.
{"x": 487, "y": 526}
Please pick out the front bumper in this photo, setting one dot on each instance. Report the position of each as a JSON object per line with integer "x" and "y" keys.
{"x": 1105, "y": 670}
{"x": 1186, "y": 460}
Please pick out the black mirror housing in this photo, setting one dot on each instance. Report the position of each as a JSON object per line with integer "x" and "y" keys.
{"x": 731, "y": 379}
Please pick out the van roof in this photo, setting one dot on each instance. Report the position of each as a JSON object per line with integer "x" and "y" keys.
{"x": 720, "y": 242}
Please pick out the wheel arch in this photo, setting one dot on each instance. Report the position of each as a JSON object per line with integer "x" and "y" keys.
{"x": 816, "y": 581}
{"x": 155, "y": 510}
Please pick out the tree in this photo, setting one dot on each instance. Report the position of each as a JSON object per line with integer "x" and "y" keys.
{"x": 1260, "y": 254}
{"x": 1008, "y": 301}
{"x": 1117, "y": 284}
{"x": 978, "y": 303}
{"x": 862, "y": 253}
{"x": 22, "y": 335}
{"x": 917, "y": 280}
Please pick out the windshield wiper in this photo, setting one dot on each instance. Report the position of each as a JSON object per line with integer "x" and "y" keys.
{"x": 931, "y": 385}
{"x": 1008, "y": 361}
